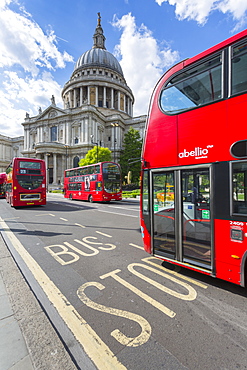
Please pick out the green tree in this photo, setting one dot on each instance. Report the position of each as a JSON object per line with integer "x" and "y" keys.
{"x": 95, "y": 155}
{"x": 132, "y": 146}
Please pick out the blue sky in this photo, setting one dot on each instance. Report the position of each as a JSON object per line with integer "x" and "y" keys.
{"x": 41, "y": 40}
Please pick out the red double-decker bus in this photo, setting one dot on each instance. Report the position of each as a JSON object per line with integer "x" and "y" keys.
{"x": 100, "y": 182}
{"x": 194, "y": 168}
{"x": 26, "y": 182}
{"x": 2, "y": 186}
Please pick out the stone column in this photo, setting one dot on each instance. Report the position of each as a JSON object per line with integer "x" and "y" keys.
{"x": 28, "y": 139}
{"x": 118, "y": 100}
{"x": 112, "y": 98}
{"x": 54, "y": 168}
{"x": 25, "y": 139}
{"x": 81, "y": 90}
{"x": 96, "y": 96}
{"x": 104, "y": 97}
{"x": 86, "y": 130}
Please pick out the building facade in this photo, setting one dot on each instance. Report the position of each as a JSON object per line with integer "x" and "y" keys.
{"x": 97, "y": 110}
{"x": 9, "y": 148}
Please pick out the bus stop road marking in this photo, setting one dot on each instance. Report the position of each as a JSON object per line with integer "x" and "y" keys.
{"x": 95, "y": 348}
{"x": 63, "y": 219}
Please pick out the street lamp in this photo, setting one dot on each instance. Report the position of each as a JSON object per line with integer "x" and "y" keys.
{"x": 92, "y": 136}
{"x": 115, "y": 124}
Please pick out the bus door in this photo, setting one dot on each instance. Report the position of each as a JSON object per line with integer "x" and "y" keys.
{"x": 182, "y": 216}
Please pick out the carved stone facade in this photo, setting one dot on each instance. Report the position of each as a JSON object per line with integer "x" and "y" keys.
{"x": 98, "y": 109}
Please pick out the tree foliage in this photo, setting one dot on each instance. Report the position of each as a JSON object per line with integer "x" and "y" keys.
{"x": 95, "y": 155}
{"x": 132, "y": 146}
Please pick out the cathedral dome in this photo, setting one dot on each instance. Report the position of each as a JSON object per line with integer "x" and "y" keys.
{"x": 98, "y": 57}
{"x": 98, "y": 80}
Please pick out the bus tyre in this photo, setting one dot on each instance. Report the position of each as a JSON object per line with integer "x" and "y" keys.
{"x": 71, "y": 197}
{"x": 90, "y": 198}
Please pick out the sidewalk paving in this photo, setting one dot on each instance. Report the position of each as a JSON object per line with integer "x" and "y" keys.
{"x": 27, "y": 339}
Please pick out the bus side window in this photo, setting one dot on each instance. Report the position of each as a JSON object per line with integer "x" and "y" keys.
{"x": 239, "y": 61}
{"x": 239, "y": 187}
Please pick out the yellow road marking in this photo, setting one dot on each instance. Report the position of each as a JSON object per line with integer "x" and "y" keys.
{"x": 81, "y": 226}
{"x": 138, "y": 292}
{"x": 63, "y": 219}
{"x": 147, "y": 259}
{"x": 136, "y": 246}
{"x": 44, "y": 214}
{"x": 95, "y": 348}
{"x": 99, "y": 232}
{"x": 117, "y": 334}
{"x": 191, "y": 296}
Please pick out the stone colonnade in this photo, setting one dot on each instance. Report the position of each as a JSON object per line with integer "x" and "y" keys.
{"x": 99, "y": 96}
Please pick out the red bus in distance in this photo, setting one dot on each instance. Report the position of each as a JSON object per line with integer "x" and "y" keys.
{"x": 26, "y": 182}
{"x": 196, "y": 144}
{"x": 2, "y": 186}
{"x": 100, "y": 182}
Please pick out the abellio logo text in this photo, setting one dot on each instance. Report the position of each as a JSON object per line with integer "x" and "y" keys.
{"x": 197, "y": 152}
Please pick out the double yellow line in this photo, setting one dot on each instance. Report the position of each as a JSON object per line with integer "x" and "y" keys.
{"x": 92, "y": 344}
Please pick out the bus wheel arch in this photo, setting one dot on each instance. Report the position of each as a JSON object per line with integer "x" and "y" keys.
{"x": 71, "y": 196}
{"x": 90, "y": 198}
{"x": 245, "y": 274}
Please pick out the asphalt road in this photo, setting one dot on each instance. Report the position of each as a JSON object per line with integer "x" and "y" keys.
{"x": 114, "y": 305}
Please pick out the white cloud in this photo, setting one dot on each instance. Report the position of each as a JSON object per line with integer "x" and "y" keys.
{"x": 21, "y": 95}
{"x": 143, "y": 60}
{"x": 27, "y": 58}
{"x": 23, "y": 42}
{"x": 199, "y": 10}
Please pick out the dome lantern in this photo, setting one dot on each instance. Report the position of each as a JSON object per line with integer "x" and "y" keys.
{"x": 98, "y": 37}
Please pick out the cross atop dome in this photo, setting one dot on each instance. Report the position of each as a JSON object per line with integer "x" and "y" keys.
{"x": 98, "y": 37}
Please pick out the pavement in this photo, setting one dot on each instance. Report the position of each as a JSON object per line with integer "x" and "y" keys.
{"x": 27, "y": 338}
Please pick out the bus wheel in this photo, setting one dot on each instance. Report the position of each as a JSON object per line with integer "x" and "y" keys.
{"x": 71, "y": 197}
{"x": 90, "y": 198}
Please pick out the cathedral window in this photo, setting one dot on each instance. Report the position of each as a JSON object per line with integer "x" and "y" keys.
{"x": 54, "y": 133}
{"x": 76, "y": 161}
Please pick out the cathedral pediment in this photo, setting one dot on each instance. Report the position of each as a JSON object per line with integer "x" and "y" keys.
{"x": 50, "y": 113}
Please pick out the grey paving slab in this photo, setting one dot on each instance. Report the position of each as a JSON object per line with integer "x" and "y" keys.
{"x": 12, "y": 345}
